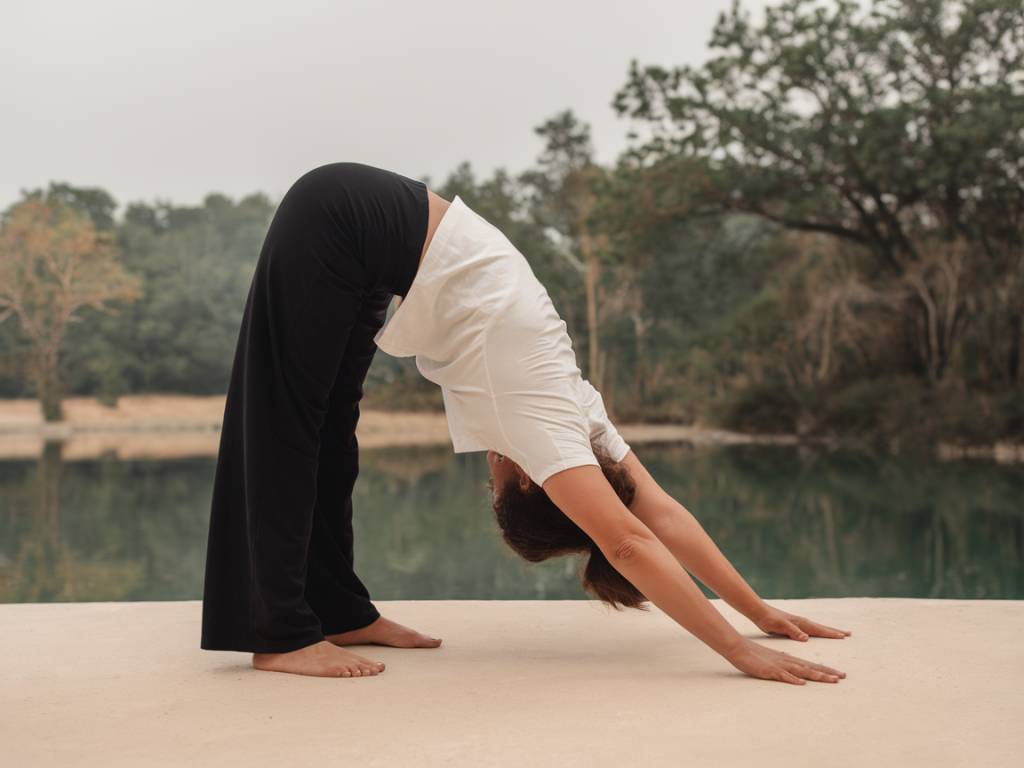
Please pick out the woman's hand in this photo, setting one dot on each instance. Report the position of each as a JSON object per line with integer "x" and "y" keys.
{"x": 767, "y": 664}
{"x": 772, "y": 621}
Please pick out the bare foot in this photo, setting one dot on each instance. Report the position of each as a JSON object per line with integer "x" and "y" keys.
{"x": 322, "y": 659}
{"x": 385, "y": 632}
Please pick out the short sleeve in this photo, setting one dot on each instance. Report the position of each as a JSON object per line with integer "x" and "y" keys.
{"x": 544, "y": 430}
{"x": 539, "y": 420}
{"x": 602, "y": 431}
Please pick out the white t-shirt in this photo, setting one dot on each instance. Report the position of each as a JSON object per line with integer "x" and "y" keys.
{"x": 484, "y": 329}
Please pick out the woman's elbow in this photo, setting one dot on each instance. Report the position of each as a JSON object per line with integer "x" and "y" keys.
{"x": 629, "y": 546}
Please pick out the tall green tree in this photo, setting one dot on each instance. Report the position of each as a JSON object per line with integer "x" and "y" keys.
{"x": 565, "y": 188}
{"x": 196, "y": 263}
{"x": 898, "y": 127}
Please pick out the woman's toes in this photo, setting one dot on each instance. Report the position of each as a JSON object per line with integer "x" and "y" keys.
{"x": 363, "y": 661}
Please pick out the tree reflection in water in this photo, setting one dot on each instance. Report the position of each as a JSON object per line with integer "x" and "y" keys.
{"x": 795, "y": 522}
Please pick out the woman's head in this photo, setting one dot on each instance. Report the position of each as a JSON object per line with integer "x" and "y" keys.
{"x": 537, "y": 529}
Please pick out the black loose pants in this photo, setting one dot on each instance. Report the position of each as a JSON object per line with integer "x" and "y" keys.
{"x": 280, "y": 561}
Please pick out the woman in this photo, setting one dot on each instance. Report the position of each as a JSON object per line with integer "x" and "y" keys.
{"x": 279, "y": 578}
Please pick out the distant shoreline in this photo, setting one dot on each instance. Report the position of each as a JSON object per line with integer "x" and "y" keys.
{"x": 173, "y": 426}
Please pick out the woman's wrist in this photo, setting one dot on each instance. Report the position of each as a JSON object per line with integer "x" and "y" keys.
{"x": 751, "y": 606}
{"x": 754, "y": 610}
{"x": 732, "y": 646}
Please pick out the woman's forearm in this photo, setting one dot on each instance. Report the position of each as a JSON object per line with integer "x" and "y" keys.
{"x": 634, "y": 550}
{"x": 687, "y": 540}
{"x": 652, "y": 569}
{"x": 684, "y": 537}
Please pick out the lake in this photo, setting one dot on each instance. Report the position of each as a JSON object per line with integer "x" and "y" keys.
{"x": 795, "y": 522}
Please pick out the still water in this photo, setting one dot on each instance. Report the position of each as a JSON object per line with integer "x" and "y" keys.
{"x": 795, "y": 523}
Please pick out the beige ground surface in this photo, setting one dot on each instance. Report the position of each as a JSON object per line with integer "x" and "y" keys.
{"x": 555, "y": 683}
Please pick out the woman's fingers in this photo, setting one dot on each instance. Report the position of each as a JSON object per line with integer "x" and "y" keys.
{"x": 822, "y": 668}
{"x": 804, "y": 671}
{"x": 820, "y": 630}
{"x": 813, "y": 674}
{"x": 813, "y": 665}
{"x": 788, "y": 677}
{"x": 820, "y": 677}
{"x": 794, "y": 631}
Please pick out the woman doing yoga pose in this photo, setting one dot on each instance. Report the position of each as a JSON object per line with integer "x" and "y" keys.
{"x": 280, "y": 579}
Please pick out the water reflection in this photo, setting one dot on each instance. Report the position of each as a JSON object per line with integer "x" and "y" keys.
{"x": 796, "y": 523}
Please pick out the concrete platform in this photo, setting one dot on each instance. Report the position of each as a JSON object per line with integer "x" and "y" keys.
{"x": 521, "y": 683}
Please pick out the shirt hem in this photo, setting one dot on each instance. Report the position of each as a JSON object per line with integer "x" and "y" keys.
{"x": 561, "y": 466}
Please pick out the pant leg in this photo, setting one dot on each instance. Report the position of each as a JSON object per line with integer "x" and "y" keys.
{"x": 333, "y": 589}
{"x": 295, "y": 328}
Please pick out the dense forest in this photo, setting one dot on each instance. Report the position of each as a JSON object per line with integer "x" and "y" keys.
{"x": 820, "y": 231}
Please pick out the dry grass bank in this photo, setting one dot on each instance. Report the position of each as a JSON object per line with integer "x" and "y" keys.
{"x": 174, "y": 426}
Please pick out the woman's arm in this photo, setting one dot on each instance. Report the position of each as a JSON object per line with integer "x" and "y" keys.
{"x": 586, "y": 497}
{"x": 687, "y": 540}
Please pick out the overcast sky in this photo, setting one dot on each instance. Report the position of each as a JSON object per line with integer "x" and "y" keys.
{"x": 175, "y": 99}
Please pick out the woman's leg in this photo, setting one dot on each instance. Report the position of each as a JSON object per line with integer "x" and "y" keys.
{"x": 298, "y": 318}
{"x": 333, "y": 590}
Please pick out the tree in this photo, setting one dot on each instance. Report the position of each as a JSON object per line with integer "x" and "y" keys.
{"x": 94, "y": 201}
{"x": 899, "y": 128}
{"x": 566, "y": 186}
{"x": 54, "y": 263}
{"x": 196, "y": 265}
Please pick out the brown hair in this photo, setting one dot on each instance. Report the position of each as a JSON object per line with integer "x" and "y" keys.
{"x": 536, "y": 529}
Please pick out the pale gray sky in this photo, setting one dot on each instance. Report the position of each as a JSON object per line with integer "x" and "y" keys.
{"x": 173, "y": 100}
